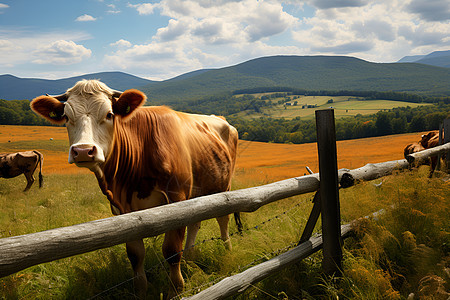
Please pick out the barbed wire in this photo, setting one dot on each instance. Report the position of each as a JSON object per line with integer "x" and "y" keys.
{"x": 161, "y": 262}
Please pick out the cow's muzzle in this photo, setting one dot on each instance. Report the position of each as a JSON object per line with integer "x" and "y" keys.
{"x": 80, "y": 154}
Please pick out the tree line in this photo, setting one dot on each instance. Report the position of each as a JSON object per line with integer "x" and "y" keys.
{"x": 18, "y": 112}
{"x": 297, "y": 131}
{"x": 277, "y": 130}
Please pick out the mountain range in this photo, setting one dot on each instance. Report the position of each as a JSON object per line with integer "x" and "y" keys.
{"x": 436, "y": 58}
{"x": 302, "y": 72}
{"x": 12, "y": 87}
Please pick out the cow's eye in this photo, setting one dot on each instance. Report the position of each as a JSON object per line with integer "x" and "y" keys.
{"x": 109, "y": 116}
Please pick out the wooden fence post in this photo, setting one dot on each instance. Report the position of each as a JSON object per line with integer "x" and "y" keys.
{"x": 329, "y": 192}
{"x": 441, "y": 142}
{"x": 446, "y": 126}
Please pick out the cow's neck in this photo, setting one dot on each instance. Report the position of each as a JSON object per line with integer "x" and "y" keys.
{"x": 126, "y": 169}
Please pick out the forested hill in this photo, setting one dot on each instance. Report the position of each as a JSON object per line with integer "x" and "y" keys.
{"x": 311, "y": 73}
{"x": 306, "y": 72}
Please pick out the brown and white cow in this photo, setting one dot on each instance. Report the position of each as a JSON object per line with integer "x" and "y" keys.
{"x": 145, "y": 157}
{"x": 26, "y": 162}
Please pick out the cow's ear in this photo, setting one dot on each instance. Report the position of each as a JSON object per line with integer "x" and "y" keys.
{"x": 128, "y": 102}
{"x": 49, "y": 108}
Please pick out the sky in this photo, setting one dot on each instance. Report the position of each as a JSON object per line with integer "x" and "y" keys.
{"x": 159, "y": 40}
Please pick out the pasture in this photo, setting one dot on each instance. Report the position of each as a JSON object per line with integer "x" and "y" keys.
{"x": 71, "y": 195}
{"x": 344, "y": 106}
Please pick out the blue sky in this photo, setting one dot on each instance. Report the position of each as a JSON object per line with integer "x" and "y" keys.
{"x": 162, "y": 39}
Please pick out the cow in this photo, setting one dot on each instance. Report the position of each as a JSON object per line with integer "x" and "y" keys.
{"x": 26, "y": 162}
{"x": 412, "y": 148}
{"x": 430, "y": 140}
{"x": 145, "y": 156}
{"x": 427, "y": 141}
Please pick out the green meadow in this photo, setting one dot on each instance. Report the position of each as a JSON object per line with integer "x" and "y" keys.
{"x": 344, "y": 106}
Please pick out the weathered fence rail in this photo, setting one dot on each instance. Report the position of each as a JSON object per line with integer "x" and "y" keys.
{"x": 20, "y": 252}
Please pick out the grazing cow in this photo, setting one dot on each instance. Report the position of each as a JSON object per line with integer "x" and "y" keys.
{"x": 145, "y": 157}
{"x": 14, "y": 164}
{"x": 430, "y": 140}
{"x": 412, "y": 148}
{"x": 427, "y": 141}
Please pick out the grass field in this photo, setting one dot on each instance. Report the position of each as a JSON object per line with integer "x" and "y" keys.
{"x": 384, "y": 262}
{"x": 344, "y": 106}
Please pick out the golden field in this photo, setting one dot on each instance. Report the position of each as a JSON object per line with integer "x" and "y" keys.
{"x": 257, "y": 161}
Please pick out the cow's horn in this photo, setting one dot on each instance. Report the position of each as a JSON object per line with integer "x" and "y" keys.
{"x": 62, "y": 97}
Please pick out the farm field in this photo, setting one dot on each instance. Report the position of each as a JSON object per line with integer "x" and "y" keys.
{"x": 344, "y": 106}
{"x": 71, "y": 195}
{"x": 264, "y": 161}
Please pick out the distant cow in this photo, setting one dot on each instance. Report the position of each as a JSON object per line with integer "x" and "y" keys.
{"x": 430, "y": 140}
{"x": 427, "y": 141}
{"x": 145, "y": 157}
{"x": 14, "y": 164}
{"x": 412, "y": 148}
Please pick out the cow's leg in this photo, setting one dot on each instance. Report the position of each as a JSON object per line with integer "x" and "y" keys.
{"x": 136, "y": 255}
{"x": 30, "y": 180}
{"x": 172, "y": 251}
{"x": 223, "y": 224}
{"x": 192, "y": 231}
{"x": 433, "y": 165}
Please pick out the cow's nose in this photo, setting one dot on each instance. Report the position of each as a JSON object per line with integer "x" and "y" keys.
{"x": 84, "y": 154}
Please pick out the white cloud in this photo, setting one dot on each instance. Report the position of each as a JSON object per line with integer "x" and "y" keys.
{"x": 112, "y": 9}
{"x": 205, "y": 33}
{"x": 174, "y": 29}
{"x": 144, "y": 8}
{"x": 121, "y": 44}
{"x": 381, "y": 30}
{"x": 159, "y": 60}
{"x": 6, "y": 45}
{"x": 18, "y": 46}
{"x": 61, "y": 53}
{"x": 85, "y": 18}
{"x": 215, "y": 33}
{"x": 219, "y": 22}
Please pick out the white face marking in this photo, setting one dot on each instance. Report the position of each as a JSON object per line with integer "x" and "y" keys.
{"x": 89, "y": 125}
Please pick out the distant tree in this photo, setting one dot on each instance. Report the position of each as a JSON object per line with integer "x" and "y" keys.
{"x": 383, "y": 124}
{"x": 434, "y": 120}
{"x": 417, "y": 124}
{"x": 399, "y": 125}
{"x": 9, "y": 116}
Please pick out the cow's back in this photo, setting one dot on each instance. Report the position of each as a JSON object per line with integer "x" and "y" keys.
{"x": 212, "y": 143}
{"x": 14, "y": 164}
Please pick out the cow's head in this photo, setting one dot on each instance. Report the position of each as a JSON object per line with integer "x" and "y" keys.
{"x": 88, "y": 109}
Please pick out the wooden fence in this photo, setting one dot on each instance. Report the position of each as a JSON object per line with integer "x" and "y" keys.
{"x": 20, "y": 252}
